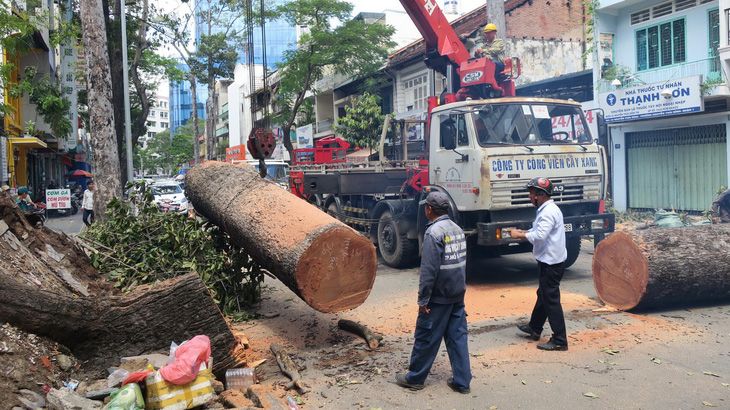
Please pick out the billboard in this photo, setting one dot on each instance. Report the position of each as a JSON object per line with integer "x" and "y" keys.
{"x": 672, "y": 97}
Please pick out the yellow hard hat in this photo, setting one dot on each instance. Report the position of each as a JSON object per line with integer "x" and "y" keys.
{"x": 490, "y": 27}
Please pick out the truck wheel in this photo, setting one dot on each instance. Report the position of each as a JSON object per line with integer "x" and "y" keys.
{"x": 396, "y": 249}
{"x": 573, "y": 247}
{"x": 332, "y": 210}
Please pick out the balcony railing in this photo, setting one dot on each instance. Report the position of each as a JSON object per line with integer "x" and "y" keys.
{"x": 709, "y": 68}
{"x": 325, "y": 125}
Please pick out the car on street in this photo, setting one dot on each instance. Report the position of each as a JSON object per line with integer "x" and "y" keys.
{"x": 169, "y": 196}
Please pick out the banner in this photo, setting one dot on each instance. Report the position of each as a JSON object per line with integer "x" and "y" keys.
{"x": 672, "y": 97}
{"x": 305, "y": 136}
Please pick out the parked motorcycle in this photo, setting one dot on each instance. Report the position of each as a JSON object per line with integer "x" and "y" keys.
{"x": 36, "y": 215}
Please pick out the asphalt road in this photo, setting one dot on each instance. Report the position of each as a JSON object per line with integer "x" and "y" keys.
{"x": 71, "y": 225}
{"x": 676, "y": 357}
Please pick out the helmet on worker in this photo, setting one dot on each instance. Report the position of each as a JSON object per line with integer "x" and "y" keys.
{"x": 541, "y": 184}
{"x": 23, "y": 190}
{"x": 490, "y": 27}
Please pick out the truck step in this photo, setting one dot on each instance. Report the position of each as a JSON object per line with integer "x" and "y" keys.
{"x": 355, "y": 210}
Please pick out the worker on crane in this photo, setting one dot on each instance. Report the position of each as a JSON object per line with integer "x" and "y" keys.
{"x": 494, "y": 49}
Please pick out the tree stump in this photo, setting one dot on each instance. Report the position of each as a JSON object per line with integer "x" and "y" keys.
{"x": 647, "y": 268}
{"x": 326, "y": 263}
{"x": 104, "y": 329}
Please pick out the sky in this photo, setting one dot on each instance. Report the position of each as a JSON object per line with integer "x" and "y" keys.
{"x": 377, "y": 6}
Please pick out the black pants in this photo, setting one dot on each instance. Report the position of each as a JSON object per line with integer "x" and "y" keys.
{"x": 548, "y": 302}
{"x": 88, "y": 214}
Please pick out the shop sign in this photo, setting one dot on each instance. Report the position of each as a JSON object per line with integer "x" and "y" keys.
{"x": 671, "y": 97}
{"x": 58, "y": 198}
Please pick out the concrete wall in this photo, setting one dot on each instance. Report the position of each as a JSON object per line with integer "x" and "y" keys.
{"x": 543, "y": 59}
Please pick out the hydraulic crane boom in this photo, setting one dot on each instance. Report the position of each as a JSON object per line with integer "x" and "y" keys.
{"x": 444, "y": 49}
{"x": 437, "y": 33}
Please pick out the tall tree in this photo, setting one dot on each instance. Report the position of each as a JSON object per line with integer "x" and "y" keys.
{"x": 353, "y": 48}
{"x": 98, "y": 76}
{"x": 220, "y": 24}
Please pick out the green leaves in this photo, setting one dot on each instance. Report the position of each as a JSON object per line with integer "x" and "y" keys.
{"x": 363, "y": 122}
{"x": 144, "y": 245}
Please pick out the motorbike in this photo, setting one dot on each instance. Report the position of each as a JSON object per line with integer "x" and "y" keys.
{"x": 36, "y": 215}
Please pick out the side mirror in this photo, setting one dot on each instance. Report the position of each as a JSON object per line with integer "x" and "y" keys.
{"x": 602, "y": 129}
{"x": 484, "y": 111}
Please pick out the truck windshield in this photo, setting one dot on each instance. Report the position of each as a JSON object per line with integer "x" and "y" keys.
{"x": 531, "y": 124}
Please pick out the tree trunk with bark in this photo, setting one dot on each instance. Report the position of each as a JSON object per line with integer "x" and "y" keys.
{"x": 652, "y": 267}
{"x": 101, "y": 112}
{"x": 104, "y": 329}
{"x": 194, "y": 117}
{"x": 326, "y": 263}
{"x": 210, "y": 138}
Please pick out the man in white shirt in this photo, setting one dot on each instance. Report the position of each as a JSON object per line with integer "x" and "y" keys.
{"x": 87, "y": 204}
{"x": 547, "y": 236}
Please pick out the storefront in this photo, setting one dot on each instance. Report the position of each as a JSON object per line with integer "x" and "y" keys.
{"x": 666, "y": 151}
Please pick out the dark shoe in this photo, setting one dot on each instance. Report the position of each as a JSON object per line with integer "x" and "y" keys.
{"x": 527, "y": 329}
{"x": 456, "y": 388}
{"x": 552, "y": 346}
{"x": 400, "y": 380}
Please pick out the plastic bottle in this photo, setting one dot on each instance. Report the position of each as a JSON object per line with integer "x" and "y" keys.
{"x": 292, "y": 403}
{"x": 239, "y": 378}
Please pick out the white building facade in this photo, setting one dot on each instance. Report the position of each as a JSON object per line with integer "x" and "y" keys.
{"x": 666, "y": 102}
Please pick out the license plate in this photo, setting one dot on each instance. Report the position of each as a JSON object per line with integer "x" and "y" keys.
{"x": 568, "y": 227}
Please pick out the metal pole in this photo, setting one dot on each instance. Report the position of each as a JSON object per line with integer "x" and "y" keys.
{"x": 125, "y": 86}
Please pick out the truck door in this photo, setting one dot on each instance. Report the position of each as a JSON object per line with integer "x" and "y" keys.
{"x": 451, "y": 152}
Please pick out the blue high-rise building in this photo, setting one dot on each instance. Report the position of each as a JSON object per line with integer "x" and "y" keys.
{"x": 181, "y": 102}
{"x": 280, "y": 36}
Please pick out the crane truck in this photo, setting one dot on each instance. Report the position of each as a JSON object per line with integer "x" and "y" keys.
{"x": 482, "y": 145}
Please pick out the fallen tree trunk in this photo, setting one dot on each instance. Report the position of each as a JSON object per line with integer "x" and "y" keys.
{"x": 646, "y": 268}
{"x": 102, "y": 330}
{"x": 326, "y": 263}
{"x": 363, "y": 331}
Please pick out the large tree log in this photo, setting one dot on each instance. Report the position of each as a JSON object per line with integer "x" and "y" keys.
{"x": 104, "y": 329}
{"x": 647, "y": 268}
{"x": 326, "y": 263}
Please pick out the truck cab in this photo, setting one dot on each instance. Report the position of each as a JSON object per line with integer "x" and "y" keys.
{"x": 483, "y": 152}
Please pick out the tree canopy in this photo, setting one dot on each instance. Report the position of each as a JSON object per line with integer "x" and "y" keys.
{"x": 363, "y": 122}
{"x": 353, "y": 48}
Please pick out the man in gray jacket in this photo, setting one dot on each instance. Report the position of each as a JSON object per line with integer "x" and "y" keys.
{"x": 441, "y": 290}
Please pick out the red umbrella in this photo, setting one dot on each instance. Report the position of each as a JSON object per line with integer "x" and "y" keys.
{"x": 79, "y": 173}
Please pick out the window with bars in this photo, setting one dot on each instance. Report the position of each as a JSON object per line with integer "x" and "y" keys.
{"x": 416, "y": 90}
{"x": 661, "y": 45}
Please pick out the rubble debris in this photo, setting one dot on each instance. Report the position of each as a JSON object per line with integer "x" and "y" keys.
{"x": 67, "y": 399}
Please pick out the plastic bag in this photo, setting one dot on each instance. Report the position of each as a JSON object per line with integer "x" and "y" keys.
{"x": 128, "y": 397}
{"x": 188, "y": 357}
{"x": 117, "y": 377}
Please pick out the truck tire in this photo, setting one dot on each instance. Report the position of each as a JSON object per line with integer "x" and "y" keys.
{"x": 573, "y": 247}
{"x": 333, "y": 211}
{"x": 396, "y": 249}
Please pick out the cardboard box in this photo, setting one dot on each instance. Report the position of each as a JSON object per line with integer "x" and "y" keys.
{"x": 162, "y": 394}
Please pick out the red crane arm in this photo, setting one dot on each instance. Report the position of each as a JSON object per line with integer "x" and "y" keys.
{"x": 436, "y": 30}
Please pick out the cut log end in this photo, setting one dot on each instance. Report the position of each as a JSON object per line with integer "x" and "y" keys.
{"x": 337, "y": 272}
{"x": 620, "y": 271}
